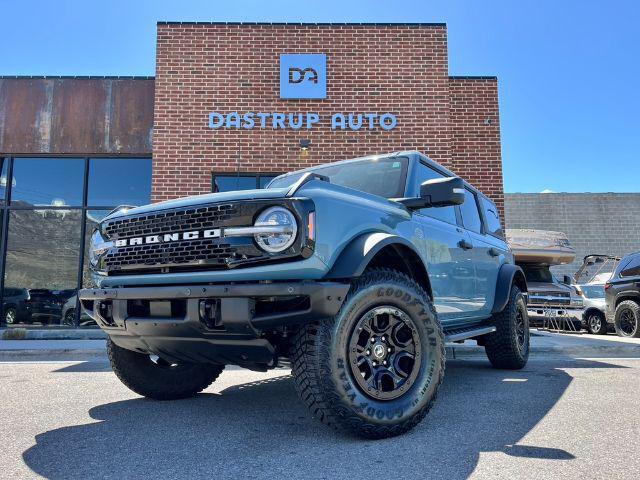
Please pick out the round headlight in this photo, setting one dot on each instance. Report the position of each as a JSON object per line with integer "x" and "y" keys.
{"x": 98, "y": 247}
{"x": 280, "y": 231}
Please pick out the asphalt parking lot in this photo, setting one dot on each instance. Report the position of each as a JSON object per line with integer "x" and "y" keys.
{"x": 560, "y": 417}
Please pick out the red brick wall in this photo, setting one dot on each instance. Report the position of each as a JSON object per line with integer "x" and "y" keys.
{"x": 475, "y": 134}
{"x": 202, "y": 68}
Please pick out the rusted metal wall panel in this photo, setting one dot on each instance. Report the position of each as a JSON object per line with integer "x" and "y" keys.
{"x": 76, "y": 116}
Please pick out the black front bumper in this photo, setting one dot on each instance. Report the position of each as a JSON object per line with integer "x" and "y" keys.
{"x": 227, "y": 324}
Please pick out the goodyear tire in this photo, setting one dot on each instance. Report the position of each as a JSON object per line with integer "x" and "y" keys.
{"x": 627, "y": 319}
{"x": 508, "y": 346}
{"x": 154, "y": 378}
{"x": 375, "y": 368}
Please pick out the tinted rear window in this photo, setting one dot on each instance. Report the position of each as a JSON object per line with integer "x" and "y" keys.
{"x": 631, "y": 268}
{"x": 494, "y": 227}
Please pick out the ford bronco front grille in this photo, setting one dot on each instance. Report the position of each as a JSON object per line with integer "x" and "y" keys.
{"x": 170, "y": 221}
{"x": 201, "y": 252}
{"x": 173, "y": 247}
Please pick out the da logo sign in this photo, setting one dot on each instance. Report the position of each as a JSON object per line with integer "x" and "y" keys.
{"x": 303, "y": 76}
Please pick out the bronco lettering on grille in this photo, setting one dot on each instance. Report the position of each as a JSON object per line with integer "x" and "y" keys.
{"x": 169, "y": 237}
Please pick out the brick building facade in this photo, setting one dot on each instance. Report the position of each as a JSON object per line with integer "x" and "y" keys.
{"x": 73, "y": 148}
{"x": 397, "y": 68}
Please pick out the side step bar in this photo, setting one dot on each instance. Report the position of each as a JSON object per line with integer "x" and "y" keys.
{"x": 462, "y": 334}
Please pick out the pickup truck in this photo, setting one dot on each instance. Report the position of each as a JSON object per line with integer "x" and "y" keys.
{"x": 353, "y": 273}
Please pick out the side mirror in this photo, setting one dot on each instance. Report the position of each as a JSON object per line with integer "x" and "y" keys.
{"x": 439, "y": 192}
{"x": 566, "y": 280}
{"x": 442, "y": 192}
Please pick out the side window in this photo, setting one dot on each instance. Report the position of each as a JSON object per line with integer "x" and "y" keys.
{"x": 491, "y": 216}
{"x": 222, "y": 182}
{"x": 631, "y": 269}
{"x": 470, "y": 214}
{"x": 446, "y": 214}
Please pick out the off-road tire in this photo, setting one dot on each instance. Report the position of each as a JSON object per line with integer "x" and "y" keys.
{"x": 633, "y": 308}
{"x": 149, "y": 379}
{"x": 325, "y": 381}
{"x": 503, "y": 347}
{"x": 602, "y": 330}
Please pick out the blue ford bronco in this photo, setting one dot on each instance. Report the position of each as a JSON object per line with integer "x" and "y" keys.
{"x": 354, "y": 274}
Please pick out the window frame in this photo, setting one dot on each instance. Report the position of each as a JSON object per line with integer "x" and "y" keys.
{"x": 416, "y": 192}
{"x": 485, "y": 223}
{"x": 475, "y": 194}
{"x": 6, "y": 208}
{"x": 256, "y": 175}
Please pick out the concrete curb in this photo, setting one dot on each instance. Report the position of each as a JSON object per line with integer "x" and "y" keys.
{"x": 62, "y": 334}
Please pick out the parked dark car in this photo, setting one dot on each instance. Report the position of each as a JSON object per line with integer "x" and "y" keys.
{"x": 15, "y": 305}
{"x": 623, "y": 297}
{"x": 45, "y": 306}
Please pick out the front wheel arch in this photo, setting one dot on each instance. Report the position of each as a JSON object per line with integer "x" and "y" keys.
{"x": 380, "y": 250}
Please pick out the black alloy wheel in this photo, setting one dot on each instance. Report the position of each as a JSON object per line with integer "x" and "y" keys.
{"x": 383, "y": 351}
{"x": 627, "y": 322}
{"x": 627, "y": 319}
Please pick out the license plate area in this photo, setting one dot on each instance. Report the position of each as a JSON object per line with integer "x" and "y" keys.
{"x": 176, "y": 308}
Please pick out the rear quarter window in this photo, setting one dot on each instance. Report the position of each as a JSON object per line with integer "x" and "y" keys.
{"x": 493, "y": 226}
{"x": 632, "y": 268}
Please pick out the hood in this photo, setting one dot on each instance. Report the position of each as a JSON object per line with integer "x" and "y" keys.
{"x": 549, "y": 287}
{"x": 207, "y": 199}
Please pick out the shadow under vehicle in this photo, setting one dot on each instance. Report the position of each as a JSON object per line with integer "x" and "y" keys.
{"x": 480, "y": 410}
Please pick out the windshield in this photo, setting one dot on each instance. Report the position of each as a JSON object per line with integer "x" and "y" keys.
{"x": 535, "y": 273}
{"x": 593, "y": 291}
{"x": 384, "y": 177}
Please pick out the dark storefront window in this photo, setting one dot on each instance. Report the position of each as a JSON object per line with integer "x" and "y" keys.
{"x": 54, "y": 205}
{"x": 241, "y": 181}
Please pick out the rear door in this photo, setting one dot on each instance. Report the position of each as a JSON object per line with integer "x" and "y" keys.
{"x": 482, "y": 222}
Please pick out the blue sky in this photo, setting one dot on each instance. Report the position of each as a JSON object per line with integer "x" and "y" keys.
{"x": 569, "y": 71}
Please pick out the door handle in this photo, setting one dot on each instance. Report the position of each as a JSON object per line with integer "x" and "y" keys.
{"x": 493, "y": 252}
{"x": 463, "y": 244}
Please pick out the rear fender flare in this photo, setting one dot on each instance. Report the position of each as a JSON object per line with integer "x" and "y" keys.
{"x": 508, "y": 276}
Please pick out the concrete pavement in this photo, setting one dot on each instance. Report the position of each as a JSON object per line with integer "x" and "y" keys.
{"x": 560, "y": 417}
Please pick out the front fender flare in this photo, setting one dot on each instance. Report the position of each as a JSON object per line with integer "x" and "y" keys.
{"x": 355, "y": 257}
{"x": 508, "y": 275}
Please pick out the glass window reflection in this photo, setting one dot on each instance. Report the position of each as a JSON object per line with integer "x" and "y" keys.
{"x": 56, "y": 182}
{"x": 41, "y": 275}
{"x": 119, "y": 181}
